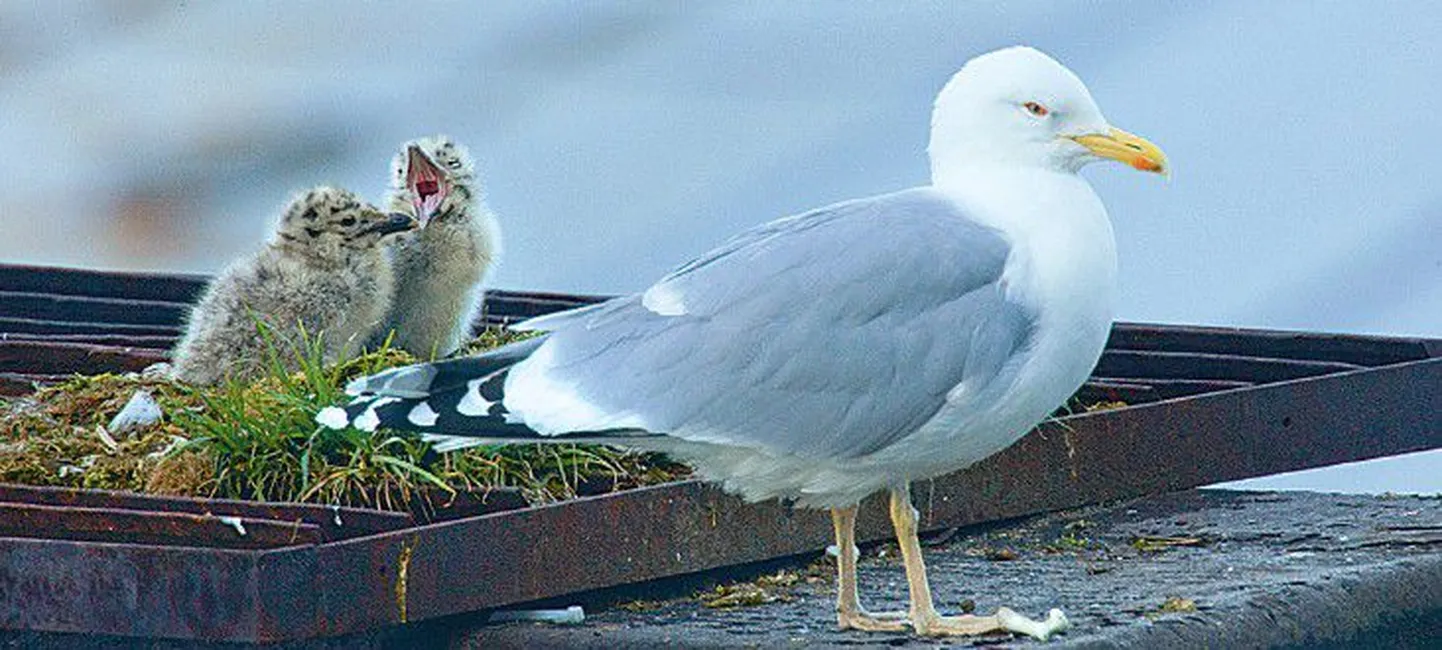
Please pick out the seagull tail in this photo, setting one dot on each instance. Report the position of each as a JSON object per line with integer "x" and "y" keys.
{"x": 455, "y": 404}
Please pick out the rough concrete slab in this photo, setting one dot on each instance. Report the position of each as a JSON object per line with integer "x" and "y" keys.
{"x": 1261, "y": 569}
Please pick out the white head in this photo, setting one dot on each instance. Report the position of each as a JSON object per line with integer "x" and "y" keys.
{"x": 1019, "y": 107}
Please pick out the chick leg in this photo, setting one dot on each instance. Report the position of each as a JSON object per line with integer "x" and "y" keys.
{"x": 849, "y": 613}
{"x": 924, "y": 617}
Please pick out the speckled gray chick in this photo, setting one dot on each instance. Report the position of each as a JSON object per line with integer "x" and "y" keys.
{"x": 324, "y": 273}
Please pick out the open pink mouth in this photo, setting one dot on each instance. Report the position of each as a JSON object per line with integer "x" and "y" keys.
{"x": 427, "y": 184}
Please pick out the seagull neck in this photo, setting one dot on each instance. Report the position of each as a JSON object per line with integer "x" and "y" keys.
{"x": 1011, "y": 196}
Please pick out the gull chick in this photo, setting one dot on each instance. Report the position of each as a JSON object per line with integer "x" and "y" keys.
{"x": 439, "y": 268}
{"x": 324, "y": 272}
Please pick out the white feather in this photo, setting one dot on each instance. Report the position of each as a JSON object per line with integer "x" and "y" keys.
{"x": 422, "y": 415}
{"x": 553, "y": 407}
{"x": 473, "y": 405}
{"x": 664, "y": 299}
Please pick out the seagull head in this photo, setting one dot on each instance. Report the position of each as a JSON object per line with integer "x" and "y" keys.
{"x": 431, "y": 178}
{"x": 1019, "y": 107}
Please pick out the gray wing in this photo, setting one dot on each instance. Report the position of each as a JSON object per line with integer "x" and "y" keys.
{"x": 830, "y": 334}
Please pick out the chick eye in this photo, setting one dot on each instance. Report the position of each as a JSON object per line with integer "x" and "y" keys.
{"x": 348, "y": 222}
{"x": 1036, "y": 109}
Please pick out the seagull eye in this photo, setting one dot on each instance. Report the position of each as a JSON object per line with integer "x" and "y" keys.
{"x": 1036, "y": 109}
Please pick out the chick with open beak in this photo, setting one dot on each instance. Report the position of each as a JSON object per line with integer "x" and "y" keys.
{"x": 439, "y": 267}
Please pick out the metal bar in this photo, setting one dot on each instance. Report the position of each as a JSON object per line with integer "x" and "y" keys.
{"x": 1133, "y": 365}
{"x": 1112, "y": 389}
{"x": 162, "y": 528}
{"x": 1170, "y": 388}
{"x": 15, "y": 384}
{"x": 110, "y": 340}
{"x": 33, "y": 357}
{"x": 165, "y": 287}
{"x": 131, "y": 589}
{"x": 50, "y": 306}
{"x": 39, "y": 326}
{"x": 1347, "y": 348}
{"x": 1202, "y": 440}
{"x": 334, "y": 522}
{"x": 651, "y": 533}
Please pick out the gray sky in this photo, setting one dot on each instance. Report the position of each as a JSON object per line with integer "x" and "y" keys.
{"x": 619, "y": 139}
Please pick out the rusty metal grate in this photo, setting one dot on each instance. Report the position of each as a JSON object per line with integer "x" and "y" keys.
{"x": 1206, "y": 405}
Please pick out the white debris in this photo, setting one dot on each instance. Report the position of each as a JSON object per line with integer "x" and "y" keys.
{"x": 106, "y": 439}
{"x": 573, "y": 615}
{"x": 141, "y": 411}
{"x": 835, "y": 551}
{"x": 234, "y": 522}
{"x": 175, "y": 441}
{"x": 1055, "y": 622}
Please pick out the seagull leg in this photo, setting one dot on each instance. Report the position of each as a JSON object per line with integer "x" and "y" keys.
{"x": 924, "y": 617}
{"x": 849, "y": 613}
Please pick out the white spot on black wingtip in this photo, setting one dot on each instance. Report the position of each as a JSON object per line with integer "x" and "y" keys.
{"x": 367, "y": 421}
{"x": 332, "y": 417}
{"x": 473, "y": 404}
{"x": 423, "y": 415}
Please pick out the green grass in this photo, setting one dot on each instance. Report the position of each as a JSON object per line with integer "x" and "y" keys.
{"x": 257, "y": 440}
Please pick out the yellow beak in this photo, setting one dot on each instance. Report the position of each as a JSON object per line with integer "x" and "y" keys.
{"x": 1125, "y": 147}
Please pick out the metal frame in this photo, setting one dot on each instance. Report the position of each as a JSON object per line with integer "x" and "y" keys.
{"x": 1208, "y": 405}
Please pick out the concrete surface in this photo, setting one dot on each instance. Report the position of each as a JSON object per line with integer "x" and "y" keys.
{"x": 1263, "y": 570}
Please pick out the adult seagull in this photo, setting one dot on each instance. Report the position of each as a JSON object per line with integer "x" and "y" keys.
{"x": 854, "y": 348}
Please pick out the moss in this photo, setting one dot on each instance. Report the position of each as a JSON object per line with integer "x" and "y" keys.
{"x": 257, "y": 440}
{"x": 1147, "y": 544}
{"x": 770, "y": 588}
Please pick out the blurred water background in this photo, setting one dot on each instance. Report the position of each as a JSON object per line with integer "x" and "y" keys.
{"x": 619, "y": 139}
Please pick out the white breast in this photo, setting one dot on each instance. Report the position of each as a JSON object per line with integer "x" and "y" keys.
{"x": 1063, "y": 266}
